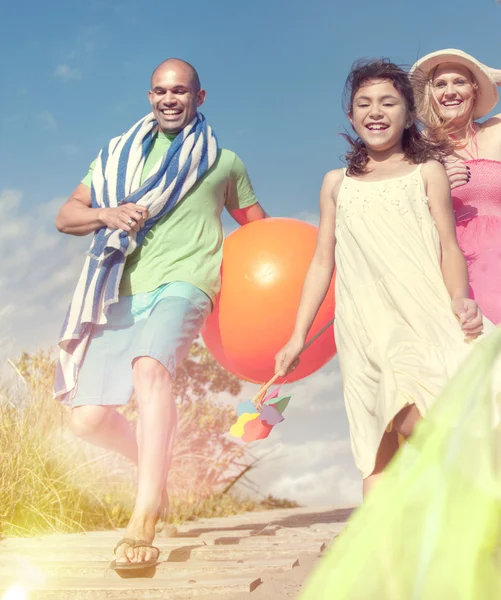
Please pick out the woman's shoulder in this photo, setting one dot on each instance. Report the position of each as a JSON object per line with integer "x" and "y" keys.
{"x": 493, "y": 123}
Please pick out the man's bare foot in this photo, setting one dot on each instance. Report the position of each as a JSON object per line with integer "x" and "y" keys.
{"x": 139, "y": 529}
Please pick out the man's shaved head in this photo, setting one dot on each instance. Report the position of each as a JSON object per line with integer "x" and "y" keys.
{"x": 175, "y": 94}
{"x": 178, "y": 63}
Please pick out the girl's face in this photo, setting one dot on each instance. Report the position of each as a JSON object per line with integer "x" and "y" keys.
{"x": 379, "y": 115}
{"x": 454, "y": 91}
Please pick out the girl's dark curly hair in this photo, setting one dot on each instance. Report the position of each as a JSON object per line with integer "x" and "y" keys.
{"x": 417, "y": 148}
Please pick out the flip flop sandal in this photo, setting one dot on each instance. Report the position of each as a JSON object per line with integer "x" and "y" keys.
{"x": 134, "y": 566}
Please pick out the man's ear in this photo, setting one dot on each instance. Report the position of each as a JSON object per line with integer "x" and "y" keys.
{"x": 201, "y": 95}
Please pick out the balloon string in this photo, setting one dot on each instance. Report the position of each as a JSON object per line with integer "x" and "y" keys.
{"x": 258, "y": 398}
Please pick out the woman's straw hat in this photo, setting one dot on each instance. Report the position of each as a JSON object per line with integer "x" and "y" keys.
{"x": 487, "y": 96}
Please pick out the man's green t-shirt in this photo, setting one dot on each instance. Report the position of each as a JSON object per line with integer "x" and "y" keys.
{"x": 186, "y": 244}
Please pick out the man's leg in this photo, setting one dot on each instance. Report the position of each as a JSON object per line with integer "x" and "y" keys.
{"x": 105, "y": 427}
{"x": 158, "y": 421}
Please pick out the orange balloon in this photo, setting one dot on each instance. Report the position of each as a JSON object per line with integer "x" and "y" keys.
{"x": 263, "y": 270}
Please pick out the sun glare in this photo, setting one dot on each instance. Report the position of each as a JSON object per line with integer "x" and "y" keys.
{"x": 16, "y": 592}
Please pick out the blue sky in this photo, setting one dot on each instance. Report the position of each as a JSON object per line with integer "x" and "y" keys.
{"x": 75, "y": 74}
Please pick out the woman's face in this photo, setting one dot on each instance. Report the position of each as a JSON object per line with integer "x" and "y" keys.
{"x": 454, "y": 90}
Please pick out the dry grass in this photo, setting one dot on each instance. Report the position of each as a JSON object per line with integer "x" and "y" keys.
{"x": 51, "y": 482}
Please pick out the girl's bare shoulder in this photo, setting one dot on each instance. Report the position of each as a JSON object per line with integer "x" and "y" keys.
{"x": 332, "y": 181}
{"x": 432, "y": 168}
{"x": 334, "y": 176}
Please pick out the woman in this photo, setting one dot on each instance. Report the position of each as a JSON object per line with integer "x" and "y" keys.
{"x": 453, "y": 89}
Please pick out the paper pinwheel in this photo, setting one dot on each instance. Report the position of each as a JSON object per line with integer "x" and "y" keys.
{"x": 257, "y": 419}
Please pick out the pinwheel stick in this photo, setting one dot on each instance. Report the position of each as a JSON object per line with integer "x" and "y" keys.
{"x": 259, "y": 397}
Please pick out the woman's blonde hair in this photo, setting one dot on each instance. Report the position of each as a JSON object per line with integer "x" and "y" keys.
{"x": 436, "y": 126}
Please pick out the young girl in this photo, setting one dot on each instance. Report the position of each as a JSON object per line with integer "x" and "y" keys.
{"x": 403, "y": 315}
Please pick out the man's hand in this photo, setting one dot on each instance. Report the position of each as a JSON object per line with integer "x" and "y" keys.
{"x": 457, "y": 172}
{"x": 128, "y": 217}
{"x": 77, "y": 217}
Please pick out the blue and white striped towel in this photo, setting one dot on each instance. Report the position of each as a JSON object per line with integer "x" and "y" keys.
{"x": 116, "y": 180}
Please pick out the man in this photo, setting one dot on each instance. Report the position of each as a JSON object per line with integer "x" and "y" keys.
{"x": 167, "y": 280}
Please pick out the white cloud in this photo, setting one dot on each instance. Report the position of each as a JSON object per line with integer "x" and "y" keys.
{"x": 61, "y": 277}
{"x": 10, "y": 200}
{"x": 332, "y": 485}
{"x": 37, "y": 272}
{"x": 322, "y": 391}
{"x": 70, "y": 149}
{"x": 67, "y": 73}
{"x": 47, "y": 121}
{"x": 18, "y": 262}
{"x": 312, "y": 217}
{"x": 44, "y": 241}
{"x": 90, "y": 38}
{"x": 7, "y": 309}
{"x": 49, "y": 210}
{"x": 315, "y": 453}
{"x": 86, "y": 42}
{"x": 12, "y": 230}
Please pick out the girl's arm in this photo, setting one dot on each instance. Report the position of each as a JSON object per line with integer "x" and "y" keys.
{"x": 453, "y": 263}
{"x": 319, "y": 274}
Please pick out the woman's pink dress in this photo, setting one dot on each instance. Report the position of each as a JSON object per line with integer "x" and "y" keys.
{"x": 477, "y": 205}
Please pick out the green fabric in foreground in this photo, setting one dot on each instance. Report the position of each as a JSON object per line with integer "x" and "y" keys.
{"x": 431, "y": 528}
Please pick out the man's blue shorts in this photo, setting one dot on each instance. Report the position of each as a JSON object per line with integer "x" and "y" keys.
{"x": 161, "y": 324}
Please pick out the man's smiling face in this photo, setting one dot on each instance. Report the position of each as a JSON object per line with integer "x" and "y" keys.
{"x": 175, "y": 95}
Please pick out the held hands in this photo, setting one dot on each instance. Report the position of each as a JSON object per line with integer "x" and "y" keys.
{"x": 469, "y": 316}
{"x": 288, "y": 357}
{"x": 128, "y": 217}
{"x": 457, "y": 171}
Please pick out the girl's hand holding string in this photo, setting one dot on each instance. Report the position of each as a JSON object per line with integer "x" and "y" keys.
{"x": 469, "y": 316}
{"x": 288, "y": 357}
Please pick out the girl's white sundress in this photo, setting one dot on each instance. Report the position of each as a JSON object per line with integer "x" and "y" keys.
{"x": 398, "y": 340}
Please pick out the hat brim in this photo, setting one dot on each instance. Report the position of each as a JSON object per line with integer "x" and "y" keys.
{"x": 487, "y": 89}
